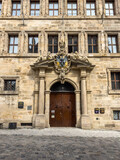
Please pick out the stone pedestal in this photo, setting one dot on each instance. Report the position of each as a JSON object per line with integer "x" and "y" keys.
{"x": 85, "y": 122}
{"x": 39, "y": 121}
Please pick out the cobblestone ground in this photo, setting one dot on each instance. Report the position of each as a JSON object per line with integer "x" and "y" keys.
{"x": 31, "y": 147}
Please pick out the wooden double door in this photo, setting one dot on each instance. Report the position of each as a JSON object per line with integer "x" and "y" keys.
{"x": 62, "y": 110}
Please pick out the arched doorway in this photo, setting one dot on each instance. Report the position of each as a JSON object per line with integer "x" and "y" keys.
{"x": 62, "y": 105}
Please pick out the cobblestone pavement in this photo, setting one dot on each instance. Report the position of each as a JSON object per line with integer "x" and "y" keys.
{"x": 55, "y": 147}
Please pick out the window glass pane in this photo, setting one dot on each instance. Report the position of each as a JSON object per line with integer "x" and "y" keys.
{"x": 14, "y": 6}
{"x": 15, "y": 49}
{"x": 111, "y": 13}
{"x": 32, "y": 6}
{"x": 50, "y": 13}
{"x": 117, "y": 85}
{"x": 13, "y": 13}
{"x": 30, "y": 49}
{"x": 55, "y": 49}
{"x": 106, "y": 6}
{"x": 10, "y": 49}
{"x": 75, "y": 40}
{"x": 37, "y": 13}
{"x": 50, "y": 40}
{"x": 18, "y": 13}
{"x": 70, "y": 49}
{"x": 94, "y": 49}
{"x": 115, "y": 113}
{"x": 107, "y": 12}
{"x": 69, "y": 6}
{"x": 111, "y": 5}
{"x": 36, "y": 48}
{"x": 37, "y": 6}
{"x": 88, "y": 6}
{"x": 11, "y": 40}
{"x": 89, "y": 40}
{"x": 75, "y": 49}
{"x": 74, "y": 13}
{"x": 69, "y": 12}
{"x": 0, "y": 5}
{"x": 55, "y": 6}
{"x": 119, "y": 115}
{"x": 55, "y": 13}
{"x": 36, "y": 40}
{"x": 113, "y": 85}
{"x": 32, "y": 13}
{"x": 16, "y": 40}
{"x": 50, "y": 6}
{"x": 89, "y": 49}
{"x": 88, "y": 12}
{"x": 117, "y": 76}
{"x": 114, "y": 40}
{"x": 18, "y": 6}
{"x": 109, "y": 40}
{"x": 70, "y": 40}
{"x": 112, "y": 76}
{"x": 92, "y": 5}
{"x": 50, "y": 49}
{"x": 94, "y": 40}
{"x": 55, "y": 40}
{"x": 110, "y": 49}
{"x": 114, "y": 49}
{"x": 92, "y": 12}
{"x": 74, "y": 6}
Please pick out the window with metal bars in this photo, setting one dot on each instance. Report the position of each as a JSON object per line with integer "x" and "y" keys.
{"x": 0, "y": 7}
{"x": 112, "y": 44}
{"x": 53, "y": 8}
{"x": 90, "y": 8}
{"x": 53, "y": 43}
{"x": 9, "y": 85}
{"x": 72, "y": 43}
{"x": 115, "y": 80}
{"x": 109, "y": 7}
{"x": 92, "y": 44}
{"x": 72, "y": 8}
{"x": 13, "y": 44}
{"x": 35, "y": 8}
{"x": 16, "y": 5}
{"x": 33, "y": 44}
{"x": 116, "y": 115}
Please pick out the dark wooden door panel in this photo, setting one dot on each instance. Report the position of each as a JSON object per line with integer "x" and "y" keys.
{"x": 62, "y": 110}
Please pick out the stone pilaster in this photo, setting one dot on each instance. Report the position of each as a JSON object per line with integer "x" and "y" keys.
{"x": 47, "y": 108}
{"x": 78, "y": 113}
{"x": 85, "y": 119}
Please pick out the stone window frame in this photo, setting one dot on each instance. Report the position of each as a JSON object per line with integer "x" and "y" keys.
{"x": 99, "y": 47}
{"x": 112, "y": 115}
{"x": 26, "y": 42}
{"x": 7, "y": 35}
{"x": 110, "y": 90}
{"x": 2, "y": 91}
{"x": 112, "y": 33}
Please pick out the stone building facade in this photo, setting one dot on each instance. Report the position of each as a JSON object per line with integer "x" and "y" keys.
{"x": 83, "y": 75}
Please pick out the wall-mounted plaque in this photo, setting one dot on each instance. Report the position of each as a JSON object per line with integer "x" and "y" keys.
{"x": 96, "y": 110}
{"x": 20, "y": 105}
{"x": 102, "y": 110}
{"x": 29, "y": 107}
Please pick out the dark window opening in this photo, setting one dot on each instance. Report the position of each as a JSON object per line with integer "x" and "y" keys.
{"x": 26, "y": 124}
{"x": 116, "y": 115}
{"x": 115, "y": 80}
{"x": 92, "y": 44}
{"x": 33, "y": 44}
{"x": 53, "y": 43}
{"x": 72, "y": 43}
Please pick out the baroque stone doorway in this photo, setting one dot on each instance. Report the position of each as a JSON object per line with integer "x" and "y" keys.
{"x": 62, "y": 105}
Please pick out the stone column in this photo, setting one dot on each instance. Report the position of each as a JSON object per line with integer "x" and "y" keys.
{"x": 39, "y": 119}
{"x": 85, "y": 119}
{"x": 78, "y": 113}
{"x": 47, "y": 108}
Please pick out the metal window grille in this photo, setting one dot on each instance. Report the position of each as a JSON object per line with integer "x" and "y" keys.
{"x": 9, "y": 85}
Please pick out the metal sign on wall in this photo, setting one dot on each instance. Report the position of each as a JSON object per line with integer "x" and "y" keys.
{"x": 21, "y": 105}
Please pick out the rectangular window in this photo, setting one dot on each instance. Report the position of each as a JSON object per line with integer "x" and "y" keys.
{"x": 53, "y": 43}
{"x": 112, "y": 44}
{"x": 90, "y": 8}
{"x": 116, "y": 115}
{"x": 115, "y": 80}
{"x": 109, "y": 7}
{"x": 9, "y": 85}
{"x": 35, "y": 8}
{"x": 53, "y": 8}
{"x": 92, "y": 44}
{"x": 16, "y": 8}
{"x": 72, "y": 8}
{"x": 72, "y": 43}
{"x": 13, "y": 44}
{"x": 33, "y": 44}
{"x": 0, "y": 7}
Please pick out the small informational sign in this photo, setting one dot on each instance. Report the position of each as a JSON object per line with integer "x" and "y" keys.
{"x": 96, "y": 110}
{"x": 52, "y": 116}
{"x": 20, "y": 105}
{"x": 29, "y": 107}
{"x": 102, "y": 110}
